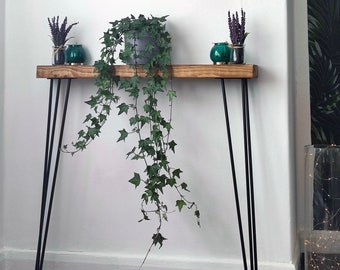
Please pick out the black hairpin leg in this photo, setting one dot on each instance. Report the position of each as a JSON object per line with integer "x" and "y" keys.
{"x": 49, "y": 179}
{"x": 249, "y": 177}
{"x": 232, "y": 163}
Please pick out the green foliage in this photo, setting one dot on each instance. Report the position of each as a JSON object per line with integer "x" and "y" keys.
{"x": 324, "y": 58}
{"x": 148, "y": 123}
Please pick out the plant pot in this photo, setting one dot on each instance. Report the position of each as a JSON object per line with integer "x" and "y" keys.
{"x": 140, "y": 55}
{"x": 236, "y": 54}
{"x": 58, "y": 55}
{"x": 75, "y": 55}
{"x": 321, "y": 232}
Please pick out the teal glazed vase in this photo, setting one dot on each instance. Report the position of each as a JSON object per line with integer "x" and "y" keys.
{"x": 220, "y": 53}
{"x": 75, "y": 55}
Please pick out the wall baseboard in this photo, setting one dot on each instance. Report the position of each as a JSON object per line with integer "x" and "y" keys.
{"x": 14, "y": 259}
{"x": 2, "y": 260}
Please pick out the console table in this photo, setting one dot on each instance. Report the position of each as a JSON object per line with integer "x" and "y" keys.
{"x": 58, "y": 75}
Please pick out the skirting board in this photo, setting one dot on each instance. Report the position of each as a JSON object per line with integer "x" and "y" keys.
{"x": 14, "y": 259}
{"x": 2, "y": 260}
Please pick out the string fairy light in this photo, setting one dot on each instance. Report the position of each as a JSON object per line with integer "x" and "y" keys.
{"x": 322, "y": 242}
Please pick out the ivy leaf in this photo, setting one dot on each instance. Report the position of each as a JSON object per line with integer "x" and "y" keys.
{"x": 123, "y": 108}
{"x": 81, "y": 134}
{"x": 88, "y": 118}
{"x": 145, "y": 145}
{"x": 135, "y": 180}
{"x": 92, "y": 102}
{"x": 163, "y": 206}
{"x": 131, "y": 152}
{"x": 144, "y": 120}
{"x": 184, "y": 186}
{"x": 145, "y": 198}
{"x": 93, "y": 132}
{"x": 172, "y": 145}
{"x": 106, "y": 108}
{"x": 94, "y": 121}
{"x": 123, "y": 135}
{"x": 166, "y": 125}
{"x": 171, "y": 95}
{"x": 180, "y": 204}
{"x": 177, "y": 172}
{"x": 147, "y": 108}
{"x": 197, "y": 214}
{"x": 102, "y": 117}
{"x": 145, "y": 216}
{"x": 158, "y": 239}
{"x": 80, "y": 145}
{"x": 153, "y": 170}
{"x": 171, "y": 182}
{"x": 134, "y": 120}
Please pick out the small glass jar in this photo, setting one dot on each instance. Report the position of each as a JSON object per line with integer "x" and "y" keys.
{"x": 58, "y": 55}
{"x": 75, "y": 54}
{"x": 236, "y": 54}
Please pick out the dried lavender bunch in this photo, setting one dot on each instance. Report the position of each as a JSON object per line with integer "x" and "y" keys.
{"x": 59, "y": 34}
{"x": 237, "y": 28}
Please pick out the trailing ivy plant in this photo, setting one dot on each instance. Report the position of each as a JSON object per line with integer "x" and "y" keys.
{"x": 148, "y": 123}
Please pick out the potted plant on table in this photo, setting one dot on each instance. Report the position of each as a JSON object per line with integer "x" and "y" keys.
{"x": 148, "y": 122}
{"x": 59, "y": 38}
{"x": 237, "y": 36}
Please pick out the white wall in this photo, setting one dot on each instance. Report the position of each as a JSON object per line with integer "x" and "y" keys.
{"x": 2, "y": 73}
{"x": 96, "y": 210}
{"x": 302, "y": 97}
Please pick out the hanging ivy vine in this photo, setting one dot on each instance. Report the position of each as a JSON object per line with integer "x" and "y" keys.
{"x": 151, "y": 125}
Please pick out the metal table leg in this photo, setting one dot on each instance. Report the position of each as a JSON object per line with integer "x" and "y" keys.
{"x": 49, "y": 187}
{"x": 249, "y": 177}
{"x": 50, "y": 168}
